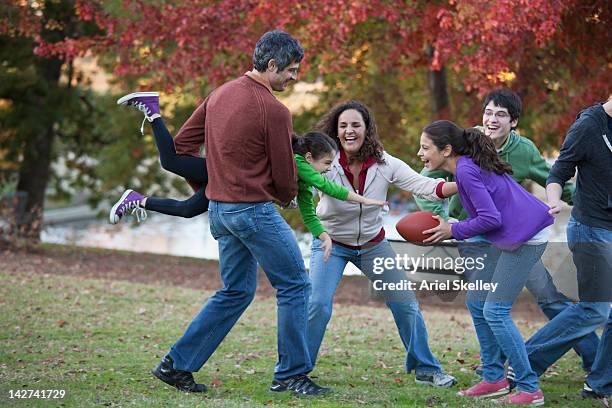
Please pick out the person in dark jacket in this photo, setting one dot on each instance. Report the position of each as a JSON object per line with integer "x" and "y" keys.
{"x": 588, "y": 149}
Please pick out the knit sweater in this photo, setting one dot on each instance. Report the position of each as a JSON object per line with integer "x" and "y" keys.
{"x": 246, "y": 132}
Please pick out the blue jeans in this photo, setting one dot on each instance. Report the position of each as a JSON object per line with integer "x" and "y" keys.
{"x": 592, "y": 255}
{"x": 497, "y": 334}
{"x": 248, "y": 234}
{"x": 600, "y": 377}
{"x": 325, "y": 277}
{"x": 541, "y": 286}
{"x": 553, "y": 302}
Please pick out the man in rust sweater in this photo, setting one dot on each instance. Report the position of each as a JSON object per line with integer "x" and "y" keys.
{"x": 246, "y": 133}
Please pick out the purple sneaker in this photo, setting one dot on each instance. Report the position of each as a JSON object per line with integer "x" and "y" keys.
{"x": 130, "y": 200}
{"x": 146, "y": 102}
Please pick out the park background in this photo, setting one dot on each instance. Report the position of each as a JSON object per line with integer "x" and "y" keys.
{"x": 65, "y": 144}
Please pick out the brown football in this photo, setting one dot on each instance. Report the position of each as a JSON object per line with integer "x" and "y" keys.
{"x": 411, "y": 226}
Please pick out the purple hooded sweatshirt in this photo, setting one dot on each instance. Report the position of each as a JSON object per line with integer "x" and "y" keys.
{"x": 499, "y": 208}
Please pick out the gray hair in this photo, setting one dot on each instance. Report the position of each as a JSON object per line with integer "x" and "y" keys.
{"x": 280, "y": 47}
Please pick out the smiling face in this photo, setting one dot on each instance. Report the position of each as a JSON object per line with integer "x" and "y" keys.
{"x": 432, "y": 157}
{"x": 323, "y": 163}
{"x": 280, "y": 79}
{"x": 351, "y": 131}
{"x": 497, "y": 123}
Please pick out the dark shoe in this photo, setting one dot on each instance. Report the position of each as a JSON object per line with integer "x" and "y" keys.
{"x": 588, "y": 392}
{"x": 182, "y": 380}
{"x": 299, "y": 384}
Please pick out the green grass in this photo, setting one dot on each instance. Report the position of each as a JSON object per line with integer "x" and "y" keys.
{"x": 98, "y": 340}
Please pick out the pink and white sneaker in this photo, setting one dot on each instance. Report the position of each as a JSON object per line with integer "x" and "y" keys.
{"x": 533, "y": 399}
{"x": 486, "y": 389}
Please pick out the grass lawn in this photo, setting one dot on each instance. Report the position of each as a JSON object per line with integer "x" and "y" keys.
{"x": 97, "y": 340}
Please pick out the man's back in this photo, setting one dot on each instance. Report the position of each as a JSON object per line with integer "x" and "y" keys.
{"x": 247, "y": 143}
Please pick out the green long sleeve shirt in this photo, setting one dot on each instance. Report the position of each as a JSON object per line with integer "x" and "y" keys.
{"x": 308, "y": 177}
{"x": 527, "y": 164}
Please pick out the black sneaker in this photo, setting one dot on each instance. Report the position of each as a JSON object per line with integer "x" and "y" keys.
{"x": 182, "y": 380}
{"x": 299, "y": 384}
{"x": 588, "y": 392}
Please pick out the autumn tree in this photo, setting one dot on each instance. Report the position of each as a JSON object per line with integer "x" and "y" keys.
{"x": 551, "y": 52}
{"x": 58, "y": 136}
{"x": 384, "y": 52}
{"x": 35, "y": 101}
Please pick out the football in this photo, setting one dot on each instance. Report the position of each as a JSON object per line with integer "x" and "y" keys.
{"x": 411, "y": 226}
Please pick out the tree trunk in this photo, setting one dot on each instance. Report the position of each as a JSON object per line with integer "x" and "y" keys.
{"x": 436, "y": 81}
{"x": 35, "y": 167}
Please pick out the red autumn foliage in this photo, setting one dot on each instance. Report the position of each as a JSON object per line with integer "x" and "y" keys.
{"x": 552, "y": 48}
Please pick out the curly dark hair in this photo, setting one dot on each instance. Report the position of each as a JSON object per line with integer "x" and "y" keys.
{"x": 372, "y": 147}
{"x": 467, "y": 142}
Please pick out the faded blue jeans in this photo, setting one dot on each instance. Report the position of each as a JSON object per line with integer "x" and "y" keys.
{"x": 592, "y": 253}
{"x": 541, "y": 286}
{"x": 248, "y": 234}
{"x": 600, "y": 377}
{"x": 497, "y": 334}
{"x": 325, "y": 277}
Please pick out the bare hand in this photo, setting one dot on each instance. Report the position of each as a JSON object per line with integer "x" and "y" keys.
{"x": 326, "y": 245}
{"x": 439, "y": 233}
{"x": 555, "y": 208}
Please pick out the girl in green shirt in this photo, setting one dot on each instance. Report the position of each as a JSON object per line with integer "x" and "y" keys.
{"x": 314, "y": 153}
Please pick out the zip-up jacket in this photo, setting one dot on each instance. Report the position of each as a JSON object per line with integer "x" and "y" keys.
{"x": 356, "y": 224}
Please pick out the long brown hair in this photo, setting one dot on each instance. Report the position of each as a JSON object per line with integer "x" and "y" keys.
{"x": 467, "y": 142}
{"x": 372, "y": 147}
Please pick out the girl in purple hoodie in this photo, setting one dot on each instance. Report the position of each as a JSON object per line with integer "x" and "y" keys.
{"x": 515, "y": 222}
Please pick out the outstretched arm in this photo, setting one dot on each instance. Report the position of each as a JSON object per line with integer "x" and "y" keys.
{"x": 364, "y": 200}
{"x": 436, "y": 207}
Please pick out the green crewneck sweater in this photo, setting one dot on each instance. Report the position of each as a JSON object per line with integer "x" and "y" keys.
{"x": 308, "y": 177}
{"x": 527, "y": 164}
